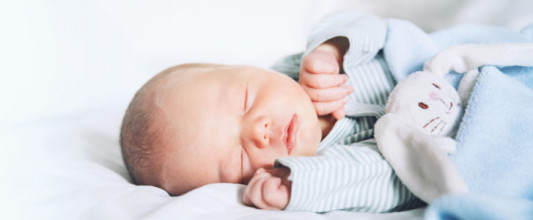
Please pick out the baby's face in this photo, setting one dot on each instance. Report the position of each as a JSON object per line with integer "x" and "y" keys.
{"x": 227, "y": 122}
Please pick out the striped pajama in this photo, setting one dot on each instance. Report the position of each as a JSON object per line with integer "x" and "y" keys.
{"x": 348, "y": 172}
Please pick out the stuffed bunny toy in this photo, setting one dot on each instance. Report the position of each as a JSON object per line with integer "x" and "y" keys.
{"x": 414, "y": 135}
{"x": 423, "y": 113}
{"x": 428, "y": 101}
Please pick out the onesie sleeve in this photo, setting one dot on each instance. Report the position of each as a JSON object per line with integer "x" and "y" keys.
{"x": 346, "y": 177}
{"x": 289, "y": 65}
{"x": 366, "y": 34}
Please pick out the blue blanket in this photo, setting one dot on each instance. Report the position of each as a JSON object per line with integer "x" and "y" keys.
{"x": 495, "y": 139}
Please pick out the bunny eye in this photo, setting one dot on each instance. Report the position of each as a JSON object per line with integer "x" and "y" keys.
{"x": 423, "y": 105}
{"x": 436, "y": 86}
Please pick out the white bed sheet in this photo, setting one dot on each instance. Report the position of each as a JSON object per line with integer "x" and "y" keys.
{"x": 79, "y": 174}
{"x": 69, "y": 69}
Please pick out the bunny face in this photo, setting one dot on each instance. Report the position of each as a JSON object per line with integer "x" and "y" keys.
{"x": 426, "y": 101}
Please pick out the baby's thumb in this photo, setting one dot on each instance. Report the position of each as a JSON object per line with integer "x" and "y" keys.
{"x": 321, "y": 62}
{"x": 339, "y": 114}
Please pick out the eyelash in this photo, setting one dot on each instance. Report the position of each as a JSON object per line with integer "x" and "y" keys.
{"x": 245, "y": 99}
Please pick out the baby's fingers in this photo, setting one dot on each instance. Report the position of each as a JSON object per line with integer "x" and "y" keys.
{"x": 275, "y": 194}
{"x": 330, "y": 94}
{"x": 339, "y": 113}
{"x": 252, "y": 192}
{"x": 320, "y": 61}
{"x": 322, "y": 81}
{"x": 324, "y": 108}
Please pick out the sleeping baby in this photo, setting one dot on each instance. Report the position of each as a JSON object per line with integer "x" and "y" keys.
{"x": 304, "y": 146}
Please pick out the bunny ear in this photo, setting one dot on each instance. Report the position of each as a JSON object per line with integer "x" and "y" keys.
{"x": 467, "y": 57}
{"x": 418, "y": 158}
{"x": 467, "y": 85}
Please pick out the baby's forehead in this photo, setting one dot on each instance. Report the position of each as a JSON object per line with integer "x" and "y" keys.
{"x": 188, "y": 107}
{"x": 206, "y": 82}
{"x": 186, "y": 78}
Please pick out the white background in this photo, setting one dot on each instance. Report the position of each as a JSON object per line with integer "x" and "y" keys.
{"x": 59, "y": 57}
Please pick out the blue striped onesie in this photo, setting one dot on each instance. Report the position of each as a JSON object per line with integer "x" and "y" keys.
{"x": 348, "y": 172}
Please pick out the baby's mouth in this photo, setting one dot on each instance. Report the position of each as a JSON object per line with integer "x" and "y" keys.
{"x": 292, "y": 130}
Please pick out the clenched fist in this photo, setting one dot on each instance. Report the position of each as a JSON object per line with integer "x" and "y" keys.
{"x": 268, "y": 189}
{"x": 320, "y": 77}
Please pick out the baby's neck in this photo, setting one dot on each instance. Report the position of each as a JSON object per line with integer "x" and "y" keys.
{"x": 326, "y": 124}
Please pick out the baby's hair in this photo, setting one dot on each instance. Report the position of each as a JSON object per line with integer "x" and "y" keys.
{"x": 139, "y": 134}
{"x": 142, "y": 131}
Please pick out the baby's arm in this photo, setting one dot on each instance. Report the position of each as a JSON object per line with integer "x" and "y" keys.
{"x": 268, "y": 189}
{"x": 320, "y": 77}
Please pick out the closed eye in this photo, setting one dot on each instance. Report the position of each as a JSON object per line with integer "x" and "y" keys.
{"x": 436, "y": 86}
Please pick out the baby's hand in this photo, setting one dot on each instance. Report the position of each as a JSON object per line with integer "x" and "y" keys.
{"x": 268, "y": 189}
{"x": 320, "y": 77}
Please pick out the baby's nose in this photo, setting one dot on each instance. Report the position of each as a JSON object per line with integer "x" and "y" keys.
{"x": 261, "y": 131}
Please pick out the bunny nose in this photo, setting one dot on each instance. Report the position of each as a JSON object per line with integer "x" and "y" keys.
{"x": 434, "y": 96}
